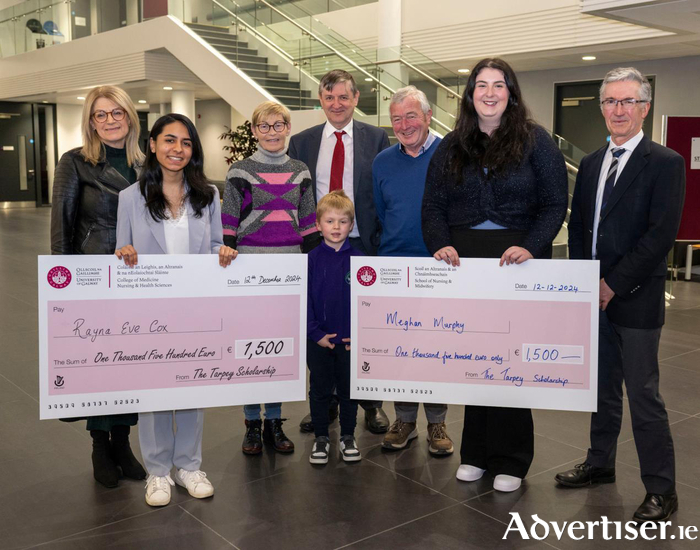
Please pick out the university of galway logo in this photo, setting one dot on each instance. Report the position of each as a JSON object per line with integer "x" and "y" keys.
{"x": 58, "y": 383}
{"x": 365, "y": 366}
{"x": 59, "y": 277}
{"x": 366, "y": 276}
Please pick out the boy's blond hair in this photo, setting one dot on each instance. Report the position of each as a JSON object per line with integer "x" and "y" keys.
{"x": 268, "y": 108}
{"x": 336, "y": 200}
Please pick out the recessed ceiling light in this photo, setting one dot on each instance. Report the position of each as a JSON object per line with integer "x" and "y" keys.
{"x": 142, "y": 101}
{"x": 463, "y": 70}
{"x": 44, "y": 101}
{"x": 167, "y": 87}
{"x": 81, "y": 98}
{"x": 588, "y": 58}
{"x": 368, "y": 79}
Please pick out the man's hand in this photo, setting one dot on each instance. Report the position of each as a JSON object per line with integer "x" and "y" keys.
{"x": 606, "y": 294}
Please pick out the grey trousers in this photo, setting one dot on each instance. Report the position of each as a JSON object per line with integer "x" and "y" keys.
{"x": 408, "y": 412}
{"x": 631, "y": 355}
{"x": 166, "y": 443}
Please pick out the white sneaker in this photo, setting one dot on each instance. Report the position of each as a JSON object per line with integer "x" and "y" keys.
{"x": 158, "y": 490}
{"x": 349, "y": 450}
{"x": 506, "y": 483}
{"x": 196, "y": 483}
{"x": 319, "y": 454}
{"x": 467, "y": 472}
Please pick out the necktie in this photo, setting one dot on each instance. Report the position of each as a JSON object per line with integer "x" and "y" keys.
{"x": 338, "y": 163}
{"x": 617, "y": 152}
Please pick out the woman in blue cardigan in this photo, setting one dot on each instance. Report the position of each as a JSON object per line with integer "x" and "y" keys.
{"x": 173, "y": 209}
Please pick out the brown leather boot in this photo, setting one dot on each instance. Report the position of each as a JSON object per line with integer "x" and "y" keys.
{"x": 252, "y": 441}
{"x": 274, "y": 435}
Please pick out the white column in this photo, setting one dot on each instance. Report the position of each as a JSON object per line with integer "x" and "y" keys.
{"x": 132, "y": 12}
{"x": 393, "y": 75}
{"x": 183, "y": 103}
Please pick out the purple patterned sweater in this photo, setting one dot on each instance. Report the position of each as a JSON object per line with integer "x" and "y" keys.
{"x": 268, "y": 205}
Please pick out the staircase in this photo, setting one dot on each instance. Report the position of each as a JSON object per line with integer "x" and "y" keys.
{"x": 288, "y": 92}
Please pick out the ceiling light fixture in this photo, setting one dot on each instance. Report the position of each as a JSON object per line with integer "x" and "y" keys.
{"x": 143, "y": 101}
{"x": 588, "y": 58}
{"x": 464, "y": 71}
{"x": 81, "y": 98}
{"x": 167, "y": 88}
{"x": 368, "y": 79}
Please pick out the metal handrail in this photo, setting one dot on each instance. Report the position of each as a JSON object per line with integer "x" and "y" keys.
{"x": 327, "y": 45}
{"x": 258, "y": 35}
{"x": 450, "y": 91}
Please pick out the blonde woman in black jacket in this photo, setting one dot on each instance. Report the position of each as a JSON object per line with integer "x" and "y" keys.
{"x": 86, "y": 190}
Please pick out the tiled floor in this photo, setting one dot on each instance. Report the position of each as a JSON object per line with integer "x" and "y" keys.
{"x": 48, "y": 498}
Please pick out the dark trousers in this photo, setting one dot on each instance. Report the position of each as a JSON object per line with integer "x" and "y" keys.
{"x": 330, "y": 368}
{"x": 356, "y": 243}
{"x": 497, "y": 439}
{"x": 631, "y": 355}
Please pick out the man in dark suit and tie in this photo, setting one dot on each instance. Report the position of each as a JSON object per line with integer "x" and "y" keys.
{"x": 339, "y": 155}
{"x": 625, "y": 213}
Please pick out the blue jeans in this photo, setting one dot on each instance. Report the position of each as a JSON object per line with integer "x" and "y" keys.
{"x": 272, "y": 411}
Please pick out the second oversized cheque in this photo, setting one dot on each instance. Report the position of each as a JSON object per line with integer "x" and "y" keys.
{"x": 174, "y": 332}
{"x": 479, "y": 334}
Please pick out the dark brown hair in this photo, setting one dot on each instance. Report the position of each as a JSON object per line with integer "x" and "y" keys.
{"x": 507, "y": 145}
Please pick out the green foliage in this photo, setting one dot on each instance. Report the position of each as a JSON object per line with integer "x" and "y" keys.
{"x": 243, "y": 144}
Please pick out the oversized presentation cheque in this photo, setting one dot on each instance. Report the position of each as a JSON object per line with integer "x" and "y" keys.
{"x": 174, "y": 332}
{"x": 478, "y": 334}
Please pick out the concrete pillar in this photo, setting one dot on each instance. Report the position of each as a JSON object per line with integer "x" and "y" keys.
{"x": 394, "y": 75}
{"x": 132, "y": 12}
{"x": 183, "y": 103}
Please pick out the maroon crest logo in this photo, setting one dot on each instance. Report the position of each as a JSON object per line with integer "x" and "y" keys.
{"x": 366, "y": 276}
{"x": 59, "y": 277}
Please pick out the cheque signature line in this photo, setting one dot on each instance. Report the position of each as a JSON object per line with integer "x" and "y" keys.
{"x": 145, "y": 333}
{"x": 217, "y": 381}
{"x": 264, "y": 285}
{"x": 413, "y": 329}
{"x": 125, "y": 363}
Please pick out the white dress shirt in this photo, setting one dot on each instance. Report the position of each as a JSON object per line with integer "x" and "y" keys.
{"x": 177, "y": 233}
{"x": 325, "y": 159}
{"x": 629, "y": 147}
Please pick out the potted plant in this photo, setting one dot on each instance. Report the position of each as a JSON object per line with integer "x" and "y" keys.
{"x": 243, "y": 144}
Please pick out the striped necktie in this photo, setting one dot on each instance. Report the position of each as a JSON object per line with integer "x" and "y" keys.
{"x": 617, "y": 152}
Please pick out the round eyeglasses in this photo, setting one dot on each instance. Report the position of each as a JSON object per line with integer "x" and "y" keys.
{"x": 101, "y": 116}
{"x": 278, "y": 126}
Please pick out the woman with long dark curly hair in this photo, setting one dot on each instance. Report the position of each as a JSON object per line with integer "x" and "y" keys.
{"x": 173, "y": 209}
{"x": 496, "y": 188}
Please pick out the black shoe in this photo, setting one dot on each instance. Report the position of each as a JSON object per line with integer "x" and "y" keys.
{"x": 657, "y": 508}
{"x": 103, "y": 466}
{"x": 306, "y": 425}
{"x": 252, "y": 440}
{"x": 123, "y": 456}
{"x": 376, "y": 420}
{"x": 275, "y": 436}
{"x": 585, "y": 474}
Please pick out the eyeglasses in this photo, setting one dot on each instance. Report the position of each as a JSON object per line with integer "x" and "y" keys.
{"x": 628, "y": 103}
{"x": 278, "y": 126}
{"x": 101, "y": 116}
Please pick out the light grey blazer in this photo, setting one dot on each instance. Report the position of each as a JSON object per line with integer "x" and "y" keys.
{"x": 136, "y": 226}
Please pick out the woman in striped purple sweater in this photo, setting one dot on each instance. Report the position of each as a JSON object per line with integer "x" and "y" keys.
{"x": 269, "y": 208}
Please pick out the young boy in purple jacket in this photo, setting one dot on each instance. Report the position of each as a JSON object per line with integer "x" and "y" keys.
{"x": 328, "y": 326}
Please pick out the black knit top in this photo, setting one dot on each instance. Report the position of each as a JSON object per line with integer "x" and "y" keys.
{"x": 531, "y": 197}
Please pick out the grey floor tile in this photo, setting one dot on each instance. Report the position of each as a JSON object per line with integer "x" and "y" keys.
{"x": 169, "y": 528}
{"x": 457, "y": 527}
{"x": 680, "y": 389}
{"x": 686, "y": 435}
